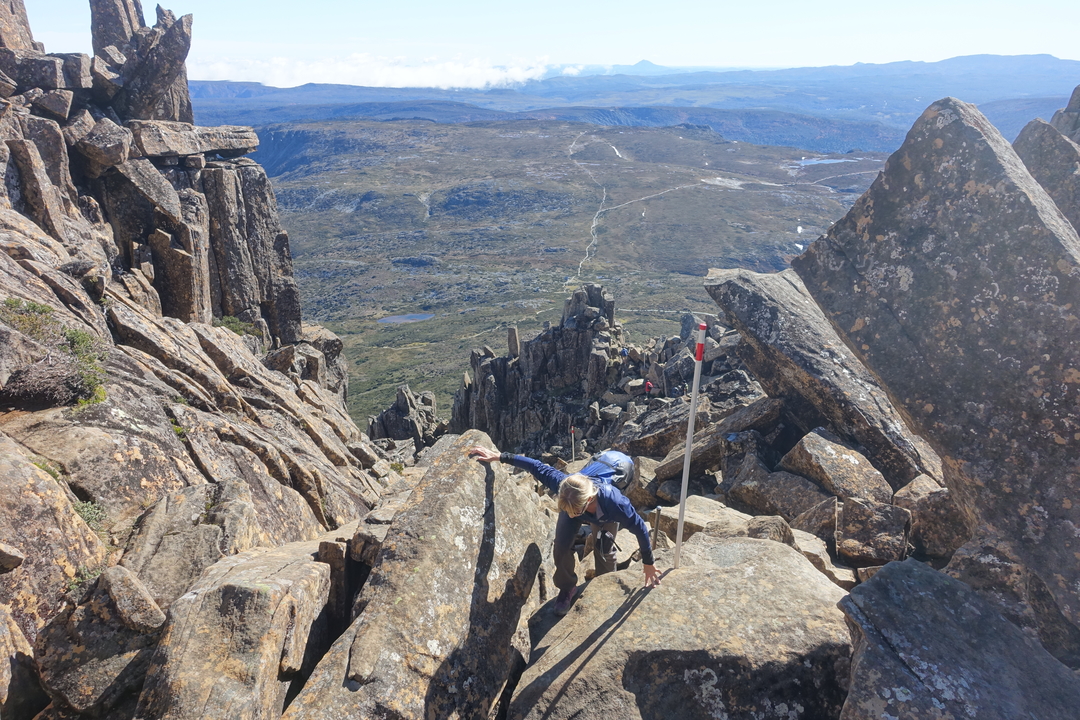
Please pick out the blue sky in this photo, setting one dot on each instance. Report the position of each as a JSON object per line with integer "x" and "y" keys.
{"x": 481, "y": 42}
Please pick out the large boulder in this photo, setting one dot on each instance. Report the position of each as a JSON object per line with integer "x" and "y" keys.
{"x": 21, "y": 696}
{"x": 870, "y": 533}
{"x": 840, "y": 470}
{"x": 744, "y": 628}
{"x": 794, "y": 352}
{"x": 459, "y": 561}
{"x": 189, "y": 530}
{"x": 956, "y": 278}
{"x": 772, "y": 493}
{"x": 236, "y": 641}
{"x": 702, "y": 514}
{"x": 91, "y": 657}
{"x": 937, "y": 526}
{"x": 159, "y": 138}
{"x": 710, "y": 443}
{"x": 38, "y": 519}
{"x": 960, "y": 660}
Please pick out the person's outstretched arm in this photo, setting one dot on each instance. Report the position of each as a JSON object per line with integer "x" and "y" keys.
{"x": 541, "y": 471}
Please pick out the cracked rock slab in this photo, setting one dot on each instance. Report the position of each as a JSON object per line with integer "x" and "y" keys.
{"x": 961, "y": 660}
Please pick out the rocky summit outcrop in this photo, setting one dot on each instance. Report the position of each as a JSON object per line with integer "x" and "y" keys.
{"x": 162, "y": 409}
{"x": 584, "y": 377}
{"x": 955, "y": 279}
{"x": 1067, "y": 120}
{"x": 411, "y": 417}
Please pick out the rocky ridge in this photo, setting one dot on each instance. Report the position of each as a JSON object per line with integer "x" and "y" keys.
{"x": 162, "y": 406}
{"x": 195, "y": 528}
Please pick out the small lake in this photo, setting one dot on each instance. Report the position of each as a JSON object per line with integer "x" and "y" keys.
{"x": 415, "y": 317}
{"x": 821, "y": 161}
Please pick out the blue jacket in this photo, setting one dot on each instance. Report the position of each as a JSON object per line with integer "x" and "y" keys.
{"x": 614, "y": 506}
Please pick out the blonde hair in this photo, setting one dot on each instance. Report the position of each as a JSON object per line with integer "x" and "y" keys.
{"x": 575, "y": 492}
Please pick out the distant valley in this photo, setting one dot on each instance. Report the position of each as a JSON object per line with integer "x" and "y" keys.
{"x": 486, "y": 225}
{"x": 481, "y": 209}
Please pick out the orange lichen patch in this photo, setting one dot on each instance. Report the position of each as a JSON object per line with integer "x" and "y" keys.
{"x": 938, "y": 143}
{"x": 859, "y": 325}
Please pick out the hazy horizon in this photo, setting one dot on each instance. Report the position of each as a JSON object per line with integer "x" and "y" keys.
{"x": 428, "y": 44}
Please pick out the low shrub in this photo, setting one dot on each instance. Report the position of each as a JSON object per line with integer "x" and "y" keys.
{"x": 238, "y": 326}
{"x": 72, "y": 371}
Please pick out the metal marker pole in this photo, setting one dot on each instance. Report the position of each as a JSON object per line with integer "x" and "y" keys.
{"x": 573, "y": 445}
{"x": 699, "y": 354}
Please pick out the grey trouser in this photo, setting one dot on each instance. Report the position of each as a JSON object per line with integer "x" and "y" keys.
{"x": 566, "y": 529}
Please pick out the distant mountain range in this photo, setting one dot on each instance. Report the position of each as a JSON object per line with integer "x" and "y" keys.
{"x": 824, "y": 109}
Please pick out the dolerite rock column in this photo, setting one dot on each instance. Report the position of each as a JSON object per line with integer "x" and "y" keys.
{"x": 528, "y": 401}
{"x": 956, "y": 279}
{"x": 15, "y": 27}
{"x": 152, "y": 76}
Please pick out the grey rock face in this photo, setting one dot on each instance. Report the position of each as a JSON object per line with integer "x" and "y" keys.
{"x": 148, "y": 87}
{"x": 114, "y": 22}
{"x": 497, "y": 397}
{"x": 961, "y": 660}
{"x": 964, "y": 272}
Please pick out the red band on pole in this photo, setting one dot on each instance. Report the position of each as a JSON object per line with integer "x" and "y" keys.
{"x": 699, "y": 353}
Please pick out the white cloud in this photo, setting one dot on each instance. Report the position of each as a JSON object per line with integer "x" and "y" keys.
{"x": 367, "y": 70}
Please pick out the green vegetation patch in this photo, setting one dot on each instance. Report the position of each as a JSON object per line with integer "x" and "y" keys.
{"x": 72, "y": 371}
{"x": 492, "y": 224}
{"x": 238, "y": 326}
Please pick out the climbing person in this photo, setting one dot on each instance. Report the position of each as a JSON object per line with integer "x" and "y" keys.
{"x": 590, "y": 496}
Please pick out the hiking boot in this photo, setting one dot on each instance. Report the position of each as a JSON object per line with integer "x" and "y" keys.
{"x": 565, "y": 599}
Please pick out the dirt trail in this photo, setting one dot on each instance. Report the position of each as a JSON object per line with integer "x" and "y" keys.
{"x": 590, "y": 249}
